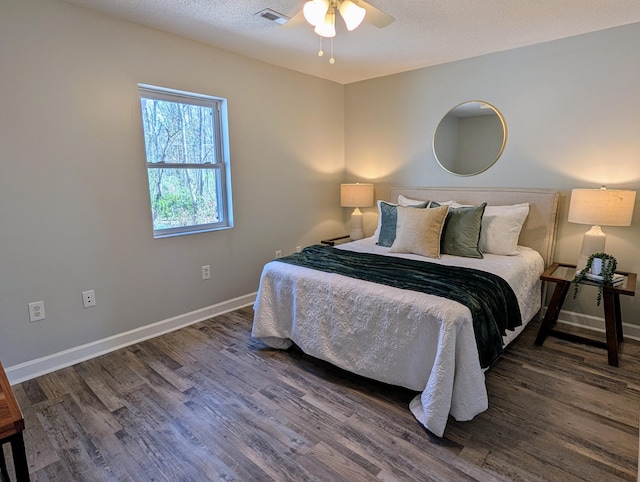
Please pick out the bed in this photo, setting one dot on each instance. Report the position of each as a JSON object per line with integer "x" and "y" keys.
{"x": 417, "y": 336}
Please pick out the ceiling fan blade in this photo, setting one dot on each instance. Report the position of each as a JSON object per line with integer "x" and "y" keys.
{"x": 375, "y": 16}
{"x": 296, "y": 20}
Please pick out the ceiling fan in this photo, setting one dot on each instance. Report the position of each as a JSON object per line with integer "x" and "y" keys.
{"x": 321, "y": 14}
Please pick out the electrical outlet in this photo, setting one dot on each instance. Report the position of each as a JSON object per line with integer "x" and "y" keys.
{"x": 206, "y": 272}
{"x": 88, "y": 298}
{"x": 36, "y": 311}
{"x": 279, "y": 254}
{"x": 298, "y": 249}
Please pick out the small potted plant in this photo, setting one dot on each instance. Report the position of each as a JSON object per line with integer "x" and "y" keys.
{"x": 600, "y": 269}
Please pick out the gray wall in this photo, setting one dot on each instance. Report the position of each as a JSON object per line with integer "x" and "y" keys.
{"x": 572, "y": 109}
{"x": 74, "y": 207}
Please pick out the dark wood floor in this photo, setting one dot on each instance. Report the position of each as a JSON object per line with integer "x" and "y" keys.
{"x": 207, "y": 402}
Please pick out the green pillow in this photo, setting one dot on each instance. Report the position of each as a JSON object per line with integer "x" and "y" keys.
{"x": 461, "y": 233}
{"x": 389, "y": 220}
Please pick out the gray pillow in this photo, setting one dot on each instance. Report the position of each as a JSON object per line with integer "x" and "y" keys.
{"x": 389, "y": 220}
{"x": 461, "y": 232}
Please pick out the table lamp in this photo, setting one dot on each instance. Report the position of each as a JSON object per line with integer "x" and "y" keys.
{"x": 356, "y": 196}
{"x": 606, "y": 207}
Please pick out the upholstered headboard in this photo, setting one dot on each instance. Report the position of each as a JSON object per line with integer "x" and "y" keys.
{"x": 539, "y": 230}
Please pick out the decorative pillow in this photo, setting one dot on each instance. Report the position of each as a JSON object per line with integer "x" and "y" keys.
{"x": 418, "y": 231}
{"x": 501, "y": 226}
{"x": 461, "y": 231}
{"x": 376, "y": 233}
{"x": 388, "y": 220}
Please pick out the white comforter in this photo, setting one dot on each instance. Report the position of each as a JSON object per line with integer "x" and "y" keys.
{"x": 401, "y": 337}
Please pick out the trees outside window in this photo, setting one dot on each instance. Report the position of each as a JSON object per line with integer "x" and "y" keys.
{"x": 186, "y": 146}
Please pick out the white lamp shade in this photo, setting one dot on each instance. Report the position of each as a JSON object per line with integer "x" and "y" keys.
{"x": 352, "y": 14}
{"x": 603, "y": 207}
{"x": 599, "y": 207}
{"x": 314, "y": 11}
{"x": 327, "y": 28}
{"x": 357, "y": 195}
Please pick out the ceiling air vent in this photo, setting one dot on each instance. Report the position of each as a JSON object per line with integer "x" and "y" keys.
{"x": 274, "y": 16}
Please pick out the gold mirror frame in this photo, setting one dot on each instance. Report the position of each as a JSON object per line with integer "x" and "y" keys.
{"x": 470, "y": 138}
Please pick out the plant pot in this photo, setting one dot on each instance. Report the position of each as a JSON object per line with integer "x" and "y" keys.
{"x": 599, "y": 265}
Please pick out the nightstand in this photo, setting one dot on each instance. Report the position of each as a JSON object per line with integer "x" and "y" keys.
{"x": 338, "y": 240}
{"x": 562, "y": 274}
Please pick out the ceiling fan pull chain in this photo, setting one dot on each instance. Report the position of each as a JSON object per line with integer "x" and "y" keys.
{"x": 320, "y": 52}
{"x": 332, "y": 60}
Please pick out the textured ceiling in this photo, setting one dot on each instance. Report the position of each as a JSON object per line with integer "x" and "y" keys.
{"x": 425, "y": 32}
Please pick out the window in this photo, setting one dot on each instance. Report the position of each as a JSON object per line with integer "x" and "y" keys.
{"x": 186, "y": 144}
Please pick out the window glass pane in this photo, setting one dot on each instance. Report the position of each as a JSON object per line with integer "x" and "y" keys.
{"x": 183, "y": 197}
{"x": 177, "y": 133}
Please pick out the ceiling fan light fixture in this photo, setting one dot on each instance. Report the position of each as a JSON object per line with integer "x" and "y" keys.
{"x": 315, "y": 11}
{"x": 328, "y": 26}
{"x": 352, "y": 14}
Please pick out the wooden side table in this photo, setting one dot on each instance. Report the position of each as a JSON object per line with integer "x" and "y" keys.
{"x": 562, "y": 274}
{"x": 11, "y": 427}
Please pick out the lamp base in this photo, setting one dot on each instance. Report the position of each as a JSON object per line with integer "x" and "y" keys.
{"x": 592, "y": 242}
{"x": 357, "y": 223}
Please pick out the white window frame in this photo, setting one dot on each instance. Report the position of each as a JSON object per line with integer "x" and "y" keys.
{"x": 221, "y": 166}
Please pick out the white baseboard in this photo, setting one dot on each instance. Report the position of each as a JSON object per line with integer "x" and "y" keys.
{"x": 47, "y": 364}
{"x": 596, "y": 323}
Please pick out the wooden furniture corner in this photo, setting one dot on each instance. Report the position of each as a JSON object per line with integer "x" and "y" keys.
{"x": 11, "y": 428}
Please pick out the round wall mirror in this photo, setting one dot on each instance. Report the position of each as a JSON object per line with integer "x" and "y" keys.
{"x": 470, "y": 138}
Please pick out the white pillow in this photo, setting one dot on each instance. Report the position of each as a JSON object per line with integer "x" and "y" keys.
{"x": 451, "y": 204}
{"x": 501, "y": 226}
{"x": 405, "y": 201}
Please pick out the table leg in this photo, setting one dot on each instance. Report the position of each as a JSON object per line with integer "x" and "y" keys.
{"x": 618, "y": 313}
{"x": 19, "y": 457}
{"x": 611, "y": 322}
{"x": 553, "y": 310}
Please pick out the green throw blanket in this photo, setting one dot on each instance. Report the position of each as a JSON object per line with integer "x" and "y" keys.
{"x": 492, "y": 302}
